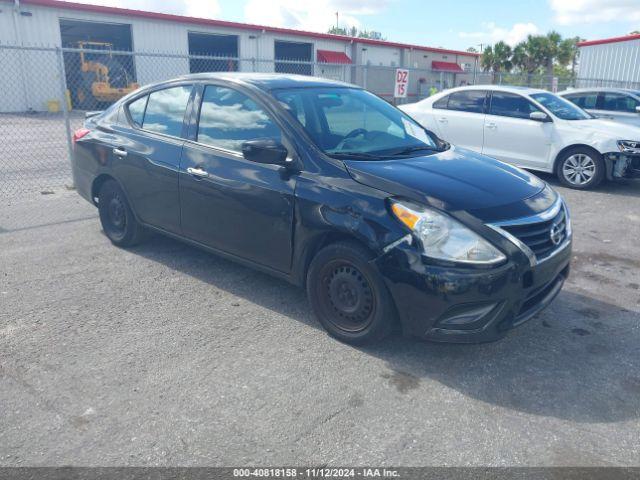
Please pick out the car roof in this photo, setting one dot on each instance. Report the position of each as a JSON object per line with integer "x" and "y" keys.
{"x": 497, "y": 88}
{"x": 601, "y": 89}
{"x": 269, "y": 81}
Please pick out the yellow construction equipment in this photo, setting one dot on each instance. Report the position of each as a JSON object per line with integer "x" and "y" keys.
{"x": 102, "y": 78}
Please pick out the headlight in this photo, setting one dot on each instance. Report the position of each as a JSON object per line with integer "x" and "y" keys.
{"x": 444, "y": 238}
{"x": 629, "y": 146}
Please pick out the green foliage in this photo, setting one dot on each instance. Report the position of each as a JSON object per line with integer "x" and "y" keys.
{"x": 537, "y": 55}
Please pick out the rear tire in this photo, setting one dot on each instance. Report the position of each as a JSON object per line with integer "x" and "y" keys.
{"x": 348, "y": 295}
{"x": 580, "y": 168}
{"x": 118, "y": 222}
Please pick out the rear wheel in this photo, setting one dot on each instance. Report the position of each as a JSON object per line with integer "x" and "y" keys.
{"x": 116, "y": 216}
{"x": 348, "y": 296}
{"x": 580, "y": 168}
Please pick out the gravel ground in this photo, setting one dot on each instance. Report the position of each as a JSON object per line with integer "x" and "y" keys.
{"x": 166, "y": 355}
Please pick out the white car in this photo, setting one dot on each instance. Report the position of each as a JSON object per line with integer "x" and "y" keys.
{"x": 533, "y": 129}
{"x": 619, "y": 104}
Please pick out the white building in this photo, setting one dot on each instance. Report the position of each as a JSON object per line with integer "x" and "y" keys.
{"x": 610, "y": 62}
{"x": 53, "y": 23}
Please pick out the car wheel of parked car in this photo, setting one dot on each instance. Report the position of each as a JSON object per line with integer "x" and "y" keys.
{"x": 348, "y": 295}
{"x": 118, "y": 221}
{"x": 580, "y": 168}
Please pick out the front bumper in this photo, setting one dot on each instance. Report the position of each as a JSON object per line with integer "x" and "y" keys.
{"x": 469, "y": 305}
{"x": 622, "y": 165}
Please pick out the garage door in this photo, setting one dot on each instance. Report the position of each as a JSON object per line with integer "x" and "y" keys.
{"x": 288, "y": 54}
{"x": 224, "y": 47}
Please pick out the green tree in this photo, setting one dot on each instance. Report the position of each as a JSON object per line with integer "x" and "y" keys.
{"x": 497, "y": 59}
{"x": 529, "y": 55}
{"x": 354, "y": 32}
{"x": 472, "y": 50}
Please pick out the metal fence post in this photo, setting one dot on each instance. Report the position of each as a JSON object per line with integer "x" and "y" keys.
{"x": 65, "y": 105}
{"x": 364, "y": 76}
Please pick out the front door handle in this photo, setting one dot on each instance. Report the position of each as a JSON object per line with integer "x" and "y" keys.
{"x": 119, "y": 152}
{"x": 443, "y": 120}
{"x": 197, "y": 172}
{"x": 491, "y": 126}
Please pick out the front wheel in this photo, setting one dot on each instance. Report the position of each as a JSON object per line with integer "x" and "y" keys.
{"x": 348, "y": 296}
{"x": 580, "y": 168}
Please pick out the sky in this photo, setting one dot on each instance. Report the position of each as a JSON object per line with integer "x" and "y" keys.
{"x": 456, "y": 24}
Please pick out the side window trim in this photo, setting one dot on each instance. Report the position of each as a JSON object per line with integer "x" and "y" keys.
{"x": 147, "y": 94}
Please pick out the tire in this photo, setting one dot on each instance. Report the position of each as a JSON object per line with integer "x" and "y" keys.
{"x": 348, "y": 296}
{"x": 118, "y": 222}
{"x": 580, "y": 168}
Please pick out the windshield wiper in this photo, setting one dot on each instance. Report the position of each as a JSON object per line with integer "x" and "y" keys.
{"x": 355, "y": 155}
{"x": 418, "y": 148}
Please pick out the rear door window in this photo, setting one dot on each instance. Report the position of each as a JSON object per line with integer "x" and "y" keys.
{"x": 511, "y": 105}
{"x": 136, "y": 110}
{"x": 584, "y": 100}
{"x": 442, "y": 103}
{"x": 165, "y": 110}
{"x": 467, "y": 101}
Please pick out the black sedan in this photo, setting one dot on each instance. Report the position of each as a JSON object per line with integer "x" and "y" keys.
{"x": 330, "y": 187}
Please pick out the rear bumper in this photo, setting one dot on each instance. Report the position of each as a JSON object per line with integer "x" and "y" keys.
{"x": 469, "y": 305}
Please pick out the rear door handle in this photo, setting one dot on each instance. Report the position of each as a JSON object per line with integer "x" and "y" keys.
{"x": 491, "y": 126}
{"x": 120, "y": 152}
{"x": 197, "y": 172}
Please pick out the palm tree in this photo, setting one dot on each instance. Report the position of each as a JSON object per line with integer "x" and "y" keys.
{"x": 497, "y": 59}
{"x": 529, "y": 55}
{"x": 569, "y": 53}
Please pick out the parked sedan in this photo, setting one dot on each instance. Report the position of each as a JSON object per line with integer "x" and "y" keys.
{"x": 329, "y": 187}
{"x": 533, "y": 129}
{"x": 619, "y": 104}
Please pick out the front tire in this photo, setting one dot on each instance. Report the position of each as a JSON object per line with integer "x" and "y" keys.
{"x": 118, "y": 222}
{"x": 348, "y": 296}
{"x": 580, "y": 168}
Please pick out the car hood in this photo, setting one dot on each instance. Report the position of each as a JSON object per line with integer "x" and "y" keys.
{"x": 601, "y": 127}
{"x": 458, "y": 179}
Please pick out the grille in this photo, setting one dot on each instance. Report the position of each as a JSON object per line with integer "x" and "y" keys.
{"x": 539, "y": 236}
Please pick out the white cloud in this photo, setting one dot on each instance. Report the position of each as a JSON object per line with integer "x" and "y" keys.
{"x": 191, "y": 8}
{"x": 571, "y": 12}
{"x": 491, "y": 33}
{"x": 316, "y": 15}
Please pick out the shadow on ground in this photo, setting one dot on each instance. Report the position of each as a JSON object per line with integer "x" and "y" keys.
{"x": 578, "y": 360}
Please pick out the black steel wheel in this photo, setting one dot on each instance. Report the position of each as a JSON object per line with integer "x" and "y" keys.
{"x": 348, "y": 295}
{"x": 116, "y": 216}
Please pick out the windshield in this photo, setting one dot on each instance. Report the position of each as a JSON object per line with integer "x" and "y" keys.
{"x": 353, "y": 123}
{"x": 560, "y": 107}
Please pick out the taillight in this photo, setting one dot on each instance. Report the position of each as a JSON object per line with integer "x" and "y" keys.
{"x": 78, "y": 134}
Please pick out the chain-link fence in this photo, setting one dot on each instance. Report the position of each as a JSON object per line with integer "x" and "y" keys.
{"x": 45, "y": 92}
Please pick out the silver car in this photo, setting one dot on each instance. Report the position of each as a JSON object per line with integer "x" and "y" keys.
{"x": 618, "y": 104}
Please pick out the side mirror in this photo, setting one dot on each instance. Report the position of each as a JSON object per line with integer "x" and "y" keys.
{"x": 638, "y": 109}
{"x": 265, "y": 150}
{"x": 539, "y": 117}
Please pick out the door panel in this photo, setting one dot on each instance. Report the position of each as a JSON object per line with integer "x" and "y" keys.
{"x": 510, "y": 136}
{"x": 147, "y": 155}
{"x": 240, "y": 207}
{"x": 461, "y": 120}
{"x": 521, "y": 142}
{"x": 227, "y": 202}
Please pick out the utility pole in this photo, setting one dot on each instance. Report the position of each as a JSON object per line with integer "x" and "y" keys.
{"x": 481, "y": 45}
{"x": 337, "y": 23}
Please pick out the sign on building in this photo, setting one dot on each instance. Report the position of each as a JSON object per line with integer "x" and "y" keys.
{"x": 402, "y": 83}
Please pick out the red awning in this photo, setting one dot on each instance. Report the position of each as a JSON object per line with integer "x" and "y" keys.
{"x": 328, "y": 56}
{"x": 447, "y": 67}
